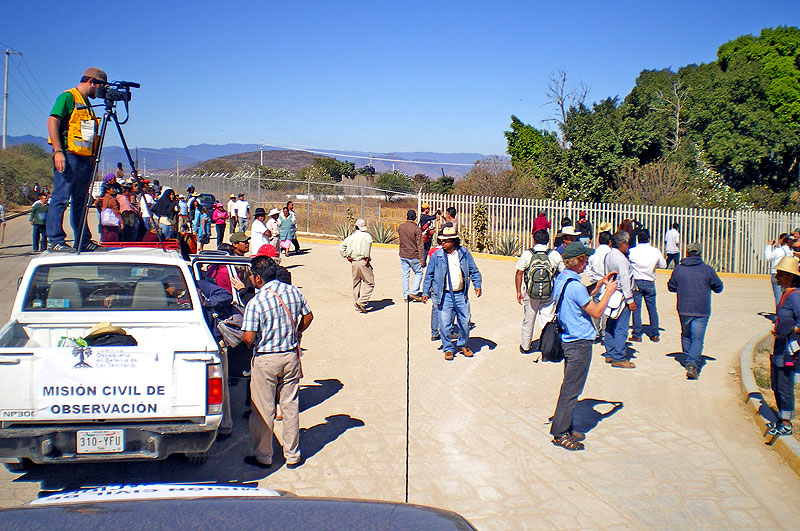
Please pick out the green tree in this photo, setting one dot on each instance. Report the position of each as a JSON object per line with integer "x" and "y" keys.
{"x": 393, "y": 182}
{"x": 337, "y": 169}
{"x": 525, "y": 142}
{"x": 23, "y": 165}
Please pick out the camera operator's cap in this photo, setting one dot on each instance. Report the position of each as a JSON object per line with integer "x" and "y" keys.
{"x": 789, "y": 264}
{"x": 424, "y": 206}
{"x": 361, "y": 224}
{"x": 448, "y": 233}
{"x": 605, "y": 227}
{"x": 96, "y": 73}
{"x": 260, "y": 212}
{"x": 576, "y": 249}
{"x": 240, "y": 236}
{"x": 694, "y": 248}
{"x": 274, "y": 212}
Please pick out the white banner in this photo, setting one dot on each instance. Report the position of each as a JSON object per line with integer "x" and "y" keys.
{"x": 79, "y": 383}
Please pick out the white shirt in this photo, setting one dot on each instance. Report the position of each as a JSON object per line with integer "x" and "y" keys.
{"x": 596, "y": 268}
{"x": 454, "y": 270}
{"x": 241, "y": 206}
{"x": 556, "y": 261}
{"x": 257, "y": 237}
{"x": 144, "y": 205}
{"x": 774, "y": 254}
{"x": 644, "y": 260}
{"x": 275, "y": 230}
{"x": 231, "y": 207}
{"x": 672, "y": 239}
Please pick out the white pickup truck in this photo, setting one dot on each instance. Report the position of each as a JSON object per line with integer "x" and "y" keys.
{"x": 73, "y": 403}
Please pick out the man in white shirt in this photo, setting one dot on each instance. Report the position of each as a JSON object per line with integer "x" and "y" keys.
{"x": 773, "y": 254}
{"x": 356, "y": 248}
{"x": 258, "y": 231}
{"x": 537, "y": 309}
{"x": 672, "y": 245}
{"x": 231, "y": 209}
{"x": 644, "y": 260}
{"x": 242, "y": 208}
{"x": 274, "y": 229}
{"x": 146, "y": 201}
{"x": 596, "y": 271}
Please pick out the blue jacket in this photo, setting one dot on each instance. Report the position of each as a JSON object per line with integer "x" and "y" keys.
{"x": 435, "y": 279}
{"x": 694, "y": 281}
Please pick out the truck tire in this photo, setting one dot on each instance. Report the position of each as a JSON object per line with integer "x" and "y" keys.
{"x": 197, "y": 459}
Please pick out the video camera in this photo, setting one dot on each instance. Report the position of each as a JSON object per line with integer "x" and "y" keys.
{"x": 117, "y": 91}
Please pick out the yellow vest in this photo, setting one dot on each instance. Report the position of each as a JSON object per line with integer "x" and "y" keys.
{"x": 82, "y": 138}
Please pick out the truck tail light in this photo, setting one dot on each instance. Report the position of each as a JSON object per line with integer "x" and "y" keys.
{"x": 215, "y": 389}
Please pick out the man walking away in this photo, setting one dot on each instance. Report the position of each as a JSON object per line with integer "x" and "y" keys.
{"x": 672, "y": 245}
{"x": 412, "y": 255}
{"x": 536, "y": 270}
{"x": 356, "y": 248}
{"x": 575, "y": 319}
{"x": 644, "y": 260}
{"x": 617, "y": 329}
{"x": 38, "y": 219}
{"x": 693, "y": 281}
{"x": 295, "y": 242}
{"x": 72, "y": 128}
{"x": 279, "y": 313}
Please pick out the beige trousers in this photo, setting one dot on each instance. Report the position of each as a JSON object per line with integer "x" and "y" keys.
{"x": 266, "y": 372}
{"x": 363, "y": 281}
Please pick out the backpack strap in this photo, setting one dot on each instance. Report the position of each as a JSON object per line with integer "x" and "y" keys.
{"x": 561, "y": 298}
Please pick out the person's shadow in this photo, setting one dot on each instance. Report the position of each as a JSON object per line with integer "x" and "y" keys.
{"x": 313, "y": 439}
{"x": 476, "y": 344}
{"x": 374, "y": 306}
{"x": 312, "y": 395}
{"x": 768, "y": 315}
{"x": 586, "y": 417}
{"x": 681, "y": 359}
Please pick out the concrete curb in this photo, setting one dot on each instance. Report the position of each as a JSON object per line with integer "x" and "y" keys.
{"x": 787, "y": 447}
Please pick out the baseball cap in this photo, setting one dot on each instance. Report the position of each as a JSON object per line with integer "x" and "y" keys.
{"x": 240, "y": 236}
{"x": 96, "y": 73}
{"x": 361, "y": 224}
{"x": 267, "y": 250}
{"x": 694, "y": 248}
{"x": 424, "y": 206}
{"x": 576, "y": 249}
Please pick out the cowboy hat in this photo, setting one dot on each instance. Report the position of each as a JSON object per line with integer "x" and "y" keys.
{"x": 448, "y": 233}
{"x": 274, "y": 212}
{"x": 789, "y": 264}
{"x": 605, "y": 227}
{"x": 569, "y": 230}
{"x": 105, "y": 328}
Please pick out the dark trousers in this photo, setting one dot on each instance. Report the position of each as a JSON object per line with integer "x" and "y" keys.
{"x": 220, "y": 233}
{"x": 577, "y": 357}
{"x": 645, "y": 289}
{"x": 39, "y": 237}
{"x": 296, "y": 244}
{"x": 782, "y": 382}
{"x": 673, "y": 257}
{"x": 70, "y": 188}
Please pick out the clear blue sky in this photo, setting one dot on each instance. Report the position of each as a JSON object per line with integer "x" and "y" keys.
{"x": 354, "y": 75}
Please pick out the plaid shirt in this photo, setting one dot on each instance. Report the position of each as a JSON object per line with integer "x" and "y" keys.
{"x": 265, "y": 313}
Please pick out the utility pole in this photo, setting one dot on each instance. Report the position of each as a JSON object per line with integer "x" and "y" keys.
{"x": 261, "y": 151}
{"x": 5, "y": 95}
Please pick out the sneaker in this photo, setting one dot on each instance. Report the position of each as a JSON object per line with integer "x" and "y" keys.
{"x": 90, "y": 246}
{"x": 360, "y": 308}
{"x": 623, "y": 364}
{"x": 61, "y": 248}
{"x": 691, "y": 372}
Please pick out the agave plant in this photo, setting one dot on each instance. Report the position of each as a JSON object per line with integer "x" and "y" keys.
{"x": 343, "y": 230}
{"x": 383, "y": 233}
{"x": 506, "y": 246}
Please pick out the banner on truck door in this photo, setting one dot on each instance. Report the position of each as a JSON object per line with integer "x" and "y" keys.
{"x": 77, "y": 383}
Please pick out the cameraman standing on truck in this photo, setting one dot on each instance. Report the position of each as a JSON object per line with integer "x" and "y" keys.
{"x": 72, "y": 129}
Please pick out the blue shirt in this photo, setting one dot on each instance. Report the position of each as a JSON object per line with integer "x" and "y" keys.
{"x": 575, "y": 322}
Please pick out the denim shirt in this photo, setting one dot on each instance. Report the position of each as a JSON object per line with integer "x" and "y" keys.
{"x": 435, "y": 280}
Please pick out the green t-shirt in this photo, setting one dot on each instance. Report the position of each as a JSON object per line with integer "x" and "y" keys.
{"x": 62, "y": 108}
{"x": 39, "y": 213}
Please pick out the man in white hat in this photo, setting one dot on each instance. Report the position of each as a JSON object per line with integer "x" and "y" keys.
{"x": 450, "y": 270}
{"x": 356, "y": 248}
{"x": 568, "y": 235}
{"x": 273, "y": 229}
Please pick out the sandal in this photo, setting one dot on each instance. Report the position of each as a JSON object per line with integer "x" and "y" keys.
{"x": 578, "y": 436}
{"x": 448, "y": 356}
{"x": 568, "y": 442}
{"x": 467, "y": 352}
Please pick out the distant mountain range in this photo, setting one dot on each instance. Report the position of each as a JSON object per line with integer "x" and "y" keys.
{"x": 150, "y": 159}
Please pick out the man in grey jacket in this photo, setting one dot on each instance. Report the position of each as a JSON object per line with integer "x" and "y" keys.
{"x": 617, "y": 329}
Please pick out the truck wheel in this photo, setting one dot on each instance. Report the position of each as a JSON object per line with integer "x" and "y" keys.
{"x": 21, "y": 466}
{"x": 197, "y": 459}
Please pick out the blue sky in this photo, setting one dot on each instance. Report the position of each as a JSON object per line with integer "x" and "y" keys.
{"x": 370, "y": 76}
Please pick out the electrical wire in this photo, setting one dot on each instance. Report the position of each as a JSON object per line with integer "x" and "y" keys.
{"x": 333, "y": 153}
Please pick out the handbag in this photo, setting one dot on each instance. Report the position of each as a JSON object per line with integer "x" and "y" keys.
{"x": 550, "y": 340}
{"x": 616, "y": 303}
{"x": 108, "y": 218}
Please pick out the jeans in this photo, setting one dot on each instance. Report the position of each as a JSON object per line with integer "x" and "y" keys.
{"x": 782, "y": 383}
{"x": 434, "y": 318}
{"x": 454, "y": 306}
{"x": 167, "y": 230}
{"x": 407, "y": 265}
{"x": 70, "y": 187}
{"x": 645, "y": 289}
{"x": 39, "y": 237}
{"x": 577, "y": 357}
{"x": 220, "y": 233}
{"x": 617, "y": 335}
{"x": 672, "y": 257}
{"x": 777, "y": 291}
{"x": 242, "y": 224}
{"x": 693, "y": 331}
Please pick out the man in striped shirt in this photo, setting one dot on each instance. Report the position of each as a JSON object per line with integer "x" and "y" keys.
{"x": 280, "y": 314}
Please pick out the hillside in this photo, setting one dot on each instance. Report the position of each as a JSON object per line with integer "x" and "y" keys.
{"x": 289, "y": 160}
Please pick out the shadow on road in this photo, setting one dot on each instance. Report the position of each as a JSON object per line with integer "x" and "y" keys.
{"x": 225, "y": 463}
{"x": 586, "y": 417}
{"x": 476, "y": 344}
{"x": 681, "y": 359}
{"x": 374, "y": 306}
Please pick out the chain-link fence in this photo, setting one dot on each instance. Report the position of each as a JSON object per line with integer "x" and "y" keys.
{"x": 324, "y": 208}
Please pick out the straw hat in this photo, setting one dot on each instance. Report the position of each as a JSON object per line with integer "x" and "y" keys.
{"x": 789, "y": 264}
{"x": 448, "y": 233}
{"x": 569, "y": 230}
{"x": 105, "y": 328}
{"x": 605, "y": 226}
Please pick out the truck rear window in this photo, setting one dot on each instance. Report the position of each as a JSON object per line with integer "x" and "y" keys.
{"x": 107, "y": 286}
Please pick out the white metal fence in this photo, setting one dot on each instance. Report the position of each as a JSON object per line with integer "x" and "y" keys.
{"x": 733, "y": 241}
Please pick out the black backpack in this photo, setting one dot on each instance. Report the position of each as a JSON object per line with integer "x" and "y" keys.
{"x": 539, "y": 276}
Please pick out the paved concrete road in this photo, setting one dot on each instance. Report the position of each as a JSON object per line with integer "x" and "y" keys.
{"x": 661, "y": 451}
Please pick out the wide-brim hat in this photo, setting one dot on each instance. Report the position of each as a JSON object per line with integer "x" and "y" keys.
{"x": 448, "y": 233}
{"x": 789, "y": 264}
{"x": 260, "y": 212}
{"x": 105, "y": 328}
{"x": 605, "y": 227}
{"x": 569, "y": 230}
{"x": 233, "y": 195}
{"x": 274, "y": 212}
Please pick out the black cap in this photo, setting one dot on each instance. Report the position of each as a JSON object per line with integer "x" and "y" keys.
{"x": 411, "y": 215}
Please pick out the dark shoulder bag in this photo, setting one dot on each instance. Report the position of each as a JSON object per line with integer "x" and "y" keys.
{"x": 550, "y": 340}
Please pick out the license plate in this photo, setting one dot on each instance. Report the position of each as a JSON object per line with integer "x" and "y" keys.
{"x": 100, "y": 441}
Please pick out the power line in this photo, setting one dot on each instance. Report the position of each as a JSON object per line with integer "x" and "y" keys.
{"x": 46, "y": 98}
{"x": 37, "y": 103}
